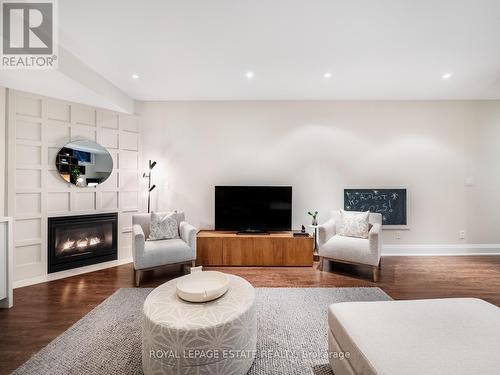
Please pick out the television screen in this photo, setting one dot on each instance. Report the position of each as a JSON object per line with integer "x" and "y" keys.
{"x": 253, "y": 208}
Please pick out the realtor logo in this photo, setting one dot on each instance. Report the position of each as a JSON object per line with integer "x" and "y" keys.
{"x": 28, "y": 34}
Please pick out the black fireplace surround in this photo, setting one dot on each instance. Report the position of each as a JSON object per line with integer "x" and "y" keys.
{"x": 76, "y": 241}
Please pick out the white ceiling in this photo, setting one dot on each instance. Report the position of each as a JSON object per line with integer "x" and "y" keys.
{"x": 374, "y": 49}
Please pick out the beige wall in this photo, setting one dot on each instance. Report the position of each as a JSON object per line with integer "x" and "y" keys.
{"x": 322, "y": 147}
{"x": 482, "y": 135}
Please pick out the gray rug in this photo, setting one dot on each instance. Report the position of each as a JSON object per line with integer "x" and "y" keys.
{"x": 292, "y": 328}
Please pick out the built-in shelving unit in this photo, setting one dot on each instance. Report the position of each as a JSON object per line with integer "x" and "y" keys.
{"x": 66, "y": 162}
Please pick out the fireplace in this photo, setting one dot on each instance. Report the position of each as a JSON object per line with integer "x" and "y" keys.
{"x": 76, "y": 241}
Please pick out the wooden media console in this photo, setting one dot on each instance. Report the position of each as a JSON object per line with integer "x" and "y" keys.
{"x": 224, "y": 248}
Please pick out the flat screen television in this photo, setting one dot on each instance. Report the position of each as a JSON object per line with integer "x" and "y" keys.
{"x": 253, "y": 208}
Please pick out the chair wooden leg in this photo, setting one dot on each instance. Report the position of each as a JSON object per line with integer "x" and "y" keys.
{"x": 137, "y": 277}
{"x": 375, "y": 273}
{"x": 380, "y": 264}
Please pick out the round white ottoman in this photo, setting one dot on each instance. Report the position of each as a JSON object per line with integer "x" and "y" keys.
{"x": 217, "y": 337}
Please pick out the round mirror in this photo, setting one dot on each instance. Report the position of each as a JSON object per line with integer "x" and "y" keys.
{"x": 84, "y": 163}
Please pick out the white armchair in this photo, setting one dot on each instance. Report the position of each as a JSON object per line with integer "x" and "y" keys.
{"x": 352, "y": 250}
{"x": 148, "y": 255}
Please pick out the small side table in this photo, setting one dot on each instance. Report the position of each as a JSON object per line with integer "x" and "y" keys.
{"x": 315, "y": 249}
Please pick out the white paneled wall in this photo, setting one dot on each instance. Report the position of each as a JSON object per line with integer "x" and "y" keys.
{"x": 37, "y": 128}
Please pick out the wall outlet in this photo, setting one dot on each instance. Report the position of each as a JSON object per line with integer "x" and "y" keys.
{"x": 397, "y": 235}
{"x": 469, "y": 181}
{"x": 461, "y": 234}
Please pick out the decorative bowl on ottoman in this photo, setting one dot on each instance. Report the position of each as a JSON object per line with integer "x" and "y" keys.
{"x": 218, "y": 337}
{"x": 202, "y": 286}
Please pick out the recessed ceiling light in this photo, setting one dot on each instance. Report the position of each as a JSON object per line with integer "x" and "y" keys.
{"x": 135, "y": 76}
{"x": 249, "y": 74}
{"x": 327, "y": 75}
{"x": 447, "y": 76}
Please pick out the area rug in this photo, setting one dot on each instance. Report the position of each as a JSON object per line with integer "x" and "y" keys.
{"x": 291, "y": 325}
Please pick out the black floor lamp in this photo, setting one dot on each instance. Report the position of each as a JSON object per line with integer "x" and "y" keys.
{"x": 150, "y": 188}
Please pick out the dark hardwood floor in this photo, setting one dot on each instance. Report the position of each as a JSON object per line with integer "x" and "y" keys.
{"x": 43, "y": 311}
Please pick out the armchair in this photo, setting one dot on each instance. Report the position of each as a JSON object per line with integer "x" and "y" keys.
{"x": 364, "y": 251}
{"x": 149, "y": 255}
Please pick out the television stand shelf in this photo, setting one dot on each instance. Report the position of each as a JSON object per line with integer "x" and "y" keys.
{"x": 225, "y": 248}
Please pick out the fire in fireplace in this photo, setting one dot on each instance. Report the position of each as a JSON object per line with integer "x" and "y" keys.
{"x": 76, "y": 241}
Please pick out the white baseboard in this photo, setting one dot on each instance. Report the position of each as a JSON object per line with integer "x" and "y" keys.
{"x": 441, "y": 250}
{"x": 68, "y": 273}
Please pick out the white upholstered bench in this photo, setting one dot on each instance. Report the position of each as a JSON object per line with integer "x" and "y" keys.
{"x": 435, "y": 336}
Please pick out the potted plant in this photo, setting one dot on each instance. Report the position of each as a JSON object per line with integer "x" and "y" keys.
{"x": 313, "y": 215}
{"x": 75, "y": 174}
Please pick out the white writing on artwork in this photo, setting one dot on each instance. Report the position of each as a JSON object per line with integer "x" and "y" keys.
{"x": 372, "y": 201}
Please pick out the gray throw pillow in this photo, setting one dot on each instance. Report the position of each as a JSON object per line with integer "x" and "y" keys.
{"x": 163, "y": 227}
